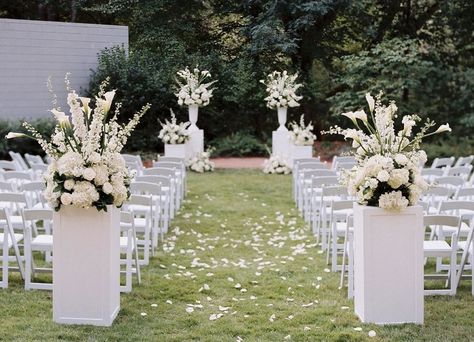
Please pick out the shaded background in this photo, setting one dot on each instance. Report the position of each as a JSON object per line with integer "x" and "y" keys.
{"x": 420, "y": 53}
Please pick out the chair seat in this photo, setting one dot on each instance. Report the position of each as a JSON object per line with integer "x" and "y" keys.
{"x": 464, "y": 231}
{"x": 42, "y": 242}
{"x": 436, "y": 248}
{"x": 17, "y": 237}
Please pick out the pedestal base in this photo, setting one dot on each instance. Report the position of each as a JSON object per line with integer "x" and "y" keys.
{"x": 195, "y": 143}
{"x": 176, "y": 150}
{"x": 86, "y": 266}
{"x": 388, "y": 265}
{"x": 281, "y": 144}
{"x": 298, "y": 152}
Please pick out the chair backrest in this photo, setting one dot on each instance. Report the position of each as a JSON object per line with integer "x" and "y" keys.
{"x": 133, "y": 158}
{"x": 448, "y": 206}
{"x": 464, "y": 161}
{"x": 319, "y": 182}
{"x": 9, "y": 165}
{"x": 439, "y": 191}
{"x": 334, "y": 191}
{"x": 342, "y": 204}
{"x": 145, "y": 188}
{"x": 170, "y": 165}
{"x": 442, "y": 162}
{"x": 465, "y": 193}
{"x": 432, "y": 172}
{"x": 144, "y": 200}
{"x": 160, "y": 171}
{"x": 13, "y": 197}
{"x": 312, "y": 166}
{"x": 34, "y": 160}
{"x": 453, "y": 181}
{"x": 6, "y": 187}
{"x": 17, "y": 158}
{"x": 19, "y": 175}
{"x": 171, "y": 159}
{"x": 442, "y": 220}
{"x": 306, "y": 160}
{"x": 306, "y": 174}
{"x": 343, "y": 159}
{"x": 155, "y": 179}
{"x": 37, "y": 214}
{"x": 460, "y": 171}
{"x": 39, "y": 167}
{"x": 344, "y": 165}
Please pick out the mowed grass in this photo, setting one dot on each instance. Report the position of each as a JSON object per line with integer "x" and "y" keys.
{"x": 236, "y": 228}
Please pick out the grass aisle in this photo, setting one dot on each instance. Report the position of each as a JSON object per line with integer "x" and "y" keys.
{"x": 238, "y": 265}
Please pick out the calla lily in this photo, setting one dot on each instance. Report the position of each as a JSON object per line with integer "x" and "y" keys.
{"x": 85, "y": 103}
{"x": 350, "y": 115}
{"x": 109, "y": 96}
{"x": 360, "y": 114}
{"x": 12, "y": 135}
{"x": 443, "y": 128}
{"x": 370, "y": 101}
{"x": 61, "y": 117}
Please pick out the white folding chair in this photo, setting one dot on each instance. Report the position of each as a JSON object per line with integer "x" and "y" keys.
{"x": 430, "y": 174}
{"x": 17, "y": 178}
{"x": 348, "y": 253}
{"x": 135, "y": 160}
{"x": 306, "y": 190}
{"x": 169, "y": 183}
{"x": 8, "y": 165}
{"x": 34, "y": 192}
{"x": 442, "y": 162}
{"x": 341, "y": 210}
{"x": 435, "y": 195}
{"x": 180, "y": 166}
{"x": 460, "y": 171}
{"x": 341, "y": 159}
{"x": 128, "y": 246}
{"x": 143, "y": 221}
{"x": 15, "y": 202}
{"x": 160, "y": 213}
{"x": 37, "y": 242}
{"x": 17, "y": 158}
{"x": 34, "y": 159}
{"x": 442, "y": 249}
{"x": 296, "y": 163}
{"x": 8, "y": 240}
{"x": 467, "y": 258}
{"x": 464, "y": 161}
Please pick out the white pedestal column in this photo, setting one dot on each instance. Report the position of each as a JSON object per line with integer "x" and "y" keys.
{"x": 297, "y": 152}
{"x": 196, "y": 142}
{"x": 281, "y": 144}
{"x": 86, "y": 266}
{"x": 176, "y": 150}
{"x": 388, "y": 265}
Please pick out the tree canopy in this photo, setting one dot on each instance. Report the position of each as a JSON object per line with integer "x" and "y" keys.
{"x": 418, "y": 52}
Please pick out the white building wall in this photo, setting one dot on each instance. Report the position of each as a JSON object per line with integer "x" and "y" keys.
{"x": 31, "y": 51}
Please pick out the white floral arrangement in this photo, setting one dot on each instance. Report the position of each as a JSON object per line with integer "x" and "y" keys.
{"x": 281, "y": 89}
{"x": 173, "y": 132}
{"x": 193, "y": 87}
{"x": 87, "y": 169}
{"x": 201, "y": 163}
{"x": 276, "y": 165}
{"x": 387, "y": 174}
{"x": 301, "y": 134}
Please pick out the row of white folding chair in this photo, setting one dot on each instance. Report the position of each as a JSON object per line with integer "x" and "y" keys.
{"x": 295, "y": 173}
{"x": 451, "y": 161}
{"x": 432, "y": 175}
{"x": 306, "y": 189}
{"x": 34, "y": 241}
{"x": 179, "y": 164}
{"x": 301, "y": 177}
{"x": 174, "y": 173}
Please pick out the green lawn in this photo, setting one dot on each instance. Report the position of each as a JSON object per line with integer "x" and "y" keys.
{"x": 236, "y": 227}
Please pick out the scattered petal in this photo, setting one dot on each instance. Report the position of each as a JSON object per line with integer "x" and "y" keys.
{"x": 189, "y": 309}
{"x": 272, "y": 318}
{"x": 154, "y": 305}
{"x": 358, "y": 329}
{"x": 143, "y": 314}
{"x": 372, "y": 333}
{"x": 169, "y": 302}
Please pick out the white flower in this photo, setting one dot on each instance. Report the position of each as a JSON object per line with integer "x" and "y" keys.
{"x": 443, "y": 128}
{"x": 61, "y": 117}
{"x": 12, "y": 135}
{"x": 66, "y": 198}
{"x": 88, "y": 174}
{"x": 69, "y": 184}
{"x": 107, "y": 188}
{"x": 370, "y": 101}
{"x": 360, "y": 114}
{"x": 398, "y": 177}
{"x": 401, "y": 159}
{"x": 383, "y": 176}
{"x": 394, "y": 201}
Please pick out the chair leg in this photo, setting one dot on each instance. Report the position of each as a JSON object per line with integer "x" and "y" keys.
{"x": 4, "y": 283}
{"x": 351, "y": 267}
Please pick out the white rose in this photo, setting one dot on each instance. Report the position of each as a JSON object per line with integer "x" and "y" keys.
{"x": 107, "y": 188}
{"x": 69, "y": 184}
{"x": 88, "y": 174}
{"x": 383, "y": 176}
{"x": 66, "y": 198}
{"x": 401, "y": 159}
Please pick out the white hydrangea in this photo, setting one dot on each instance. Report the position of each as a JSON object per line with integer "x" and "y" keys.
{"x": 192, "y": 88}
{"x": 201, "y": 163}
{"x": 394, "y": 201}
{"x": 276, "y": 165}
{"x": 281, "y": 89}
{"x": 173, "y": 133}
{"x": 301, "y": 134}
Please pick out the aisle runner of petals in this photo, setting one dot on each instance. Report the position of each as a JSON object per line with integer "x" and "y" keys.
{"x": 264, "y": 236}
